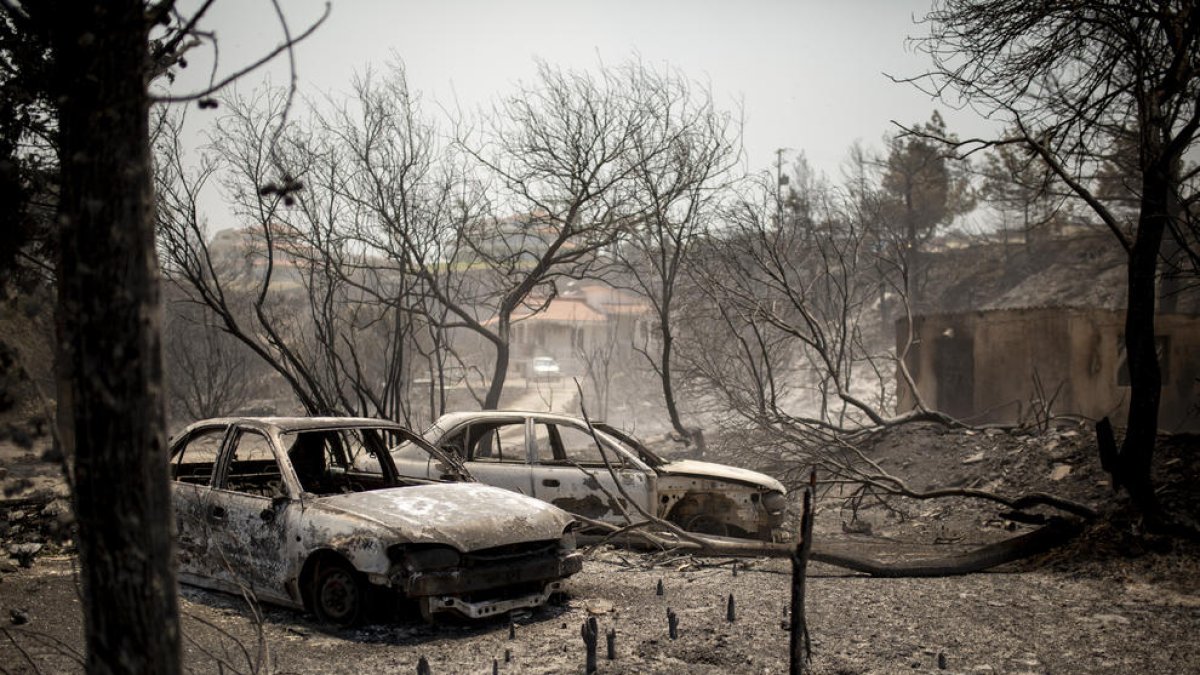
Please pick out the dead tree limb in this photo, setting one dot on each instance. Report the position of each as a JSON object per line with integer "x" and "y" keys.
{"x": 1056, "y": 532}
{"x": 801, "y": 644}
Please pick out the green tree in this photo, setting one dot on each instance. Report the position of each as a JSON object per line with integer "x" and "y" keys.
{"x": 928, "y": 187}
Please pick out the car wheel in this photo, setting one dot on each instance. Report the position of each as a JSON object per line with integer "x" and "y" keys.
{"x": 706, "y": 524}
{"x": 338, "y": 596}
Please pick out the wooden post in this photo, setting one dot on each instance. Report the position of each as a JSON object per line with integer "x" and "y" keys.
{"x": 672, "y": 624}
{"x": 659, "y": 589}
{"x": 801, "y": 646}
{"x": 512, "y": 631}
{"x": 611, "y": 636}
{"x": 730, "y": 610}
{"x": 589, "y": 631}
{"x": 423, "y": 666}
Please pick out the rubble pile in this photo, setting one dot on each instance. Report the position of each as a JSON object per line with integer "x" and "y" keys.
{"x": 32, "y": 525}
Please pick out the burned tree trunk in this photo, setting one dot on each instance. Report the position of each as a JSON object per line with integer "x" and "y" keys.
{"x": 110, "y": 405}
{"x": 1132, "y": 469}
{"x": 500, "y": 368}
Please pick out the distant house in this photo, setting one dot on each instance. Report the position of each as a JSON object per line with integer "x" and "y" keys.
{"x": 1000, "y": 331}
{"x": 241, "y": 254}
{"x": 587, "y": 321}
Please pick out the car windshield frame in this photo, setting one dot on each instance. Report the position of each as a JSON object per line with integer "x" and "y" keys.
{"x": 409, "y": 435}
{"x": 449, "y": 458}
{"x": 652, "y": 460}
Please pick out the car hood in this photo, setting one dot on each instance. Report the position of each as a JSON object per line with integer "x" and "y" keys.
{"x": 691, "y": 467}
{"x": 467, "y": 516}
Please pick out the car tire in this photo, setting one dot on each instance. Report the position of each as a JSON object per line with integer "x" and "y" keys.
{"x": 706, "y": 524}
{"x": 338, "y": 594}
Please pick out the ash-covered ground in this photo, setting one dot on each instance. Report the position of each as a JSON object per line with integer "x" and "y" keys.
{"x": 1113, "y": 600}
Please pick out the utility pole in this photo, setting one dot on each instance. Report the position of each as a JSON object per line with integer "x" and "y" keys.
{"x": 780, "y": 181}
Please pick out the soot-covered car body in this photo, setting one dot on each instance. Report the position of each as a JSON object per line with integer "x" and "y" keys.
{"x": 555, "y": 458}
{"x": 312, "y": 513}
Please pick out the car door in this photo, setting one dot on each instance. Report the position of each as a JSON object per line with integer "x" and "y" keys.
{"x": 252, "y": 509}
{"x": 495, "y": 452}
{"x": 571, "y": 473}
{"x": 193, "y": 460}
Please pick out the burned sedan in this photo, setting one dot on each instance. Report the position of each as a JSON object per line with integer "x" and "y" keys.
{"x": 312, "y": 513}
{"x": 555, "y": 458}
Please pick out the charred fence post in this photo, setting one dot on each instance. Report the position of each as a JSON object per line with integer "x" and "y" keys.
{"x": 730, "y": 610}
{"x": 611, "y": 637}
{"x": 672, "y": 624}
{"x": 590, "y": 631}
{"x": 735, "y": 568}
{"x": 423, "y": 666}
{"x": 659, "y": 589}
{"x": 495, "y": 666}
{"x": 801, "y": 646}
{"x": 1106, "y": 441}
{"x": 507, "y": 655}
{"x": 512, "y": 630}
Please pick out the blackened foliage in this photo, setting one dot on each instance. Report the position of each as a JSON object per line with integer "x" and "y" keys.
{"x": 28, "y": 168}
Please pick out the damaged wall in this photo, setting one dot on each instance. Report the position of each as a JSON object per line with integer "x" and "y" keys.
{"x": 981, "y": 366}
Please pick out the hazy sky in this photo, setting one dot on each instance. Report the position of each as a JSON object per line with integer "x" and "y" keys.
{"x": 808, "y": 73}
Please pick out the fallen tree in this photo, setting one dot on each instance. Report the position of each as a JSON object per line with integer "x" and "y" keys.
{"x": 655, "y": 532}
{"x": 1055, "y": 532}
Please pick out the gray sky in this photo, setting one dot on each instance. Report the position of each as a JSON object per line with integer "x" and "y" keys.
{"x": 808, "y": 73}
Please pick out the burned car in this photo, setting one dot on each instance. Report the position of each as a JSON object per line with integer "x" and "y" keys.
{"x": 557, "y": 459}
{"x": 312, "y": 513}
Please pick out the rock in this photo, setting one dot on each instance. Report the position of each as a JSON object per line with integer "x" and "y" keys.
{"x": 19, "y": 617}
{"x": 8, "y": 566}
{"x": 14, "y": 516}
{"x": 1060, "y": 471}
{"x": 55, "y": 509}
{"x": 599, "y": 606}
{"x": 24, "y": 553}
{"x": 1108, "y": 619}
{"x": 974, "y": 459}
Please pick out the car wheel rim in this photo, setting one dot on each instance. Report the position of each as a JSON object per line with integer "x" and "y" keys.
{"x": 338, "y": 595}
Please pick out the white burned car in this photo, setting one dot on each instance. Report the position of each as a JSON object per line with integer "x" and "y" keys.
{"x": 556, "y": 459}
{"x": 312, "y": 513}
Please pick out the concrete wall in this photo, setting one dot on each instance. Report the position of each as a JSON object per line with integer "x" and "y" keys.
{"x": 1075, "y": 355}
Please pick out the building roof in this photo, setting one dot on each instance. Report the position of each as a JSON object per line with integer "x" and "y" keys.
{"x": 564, "y": 310}
{"x": 1087, "y": 272}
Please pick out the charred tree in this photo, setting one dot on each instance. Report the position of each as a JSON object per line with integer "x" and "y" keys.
{"x": 110, "y": 403}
